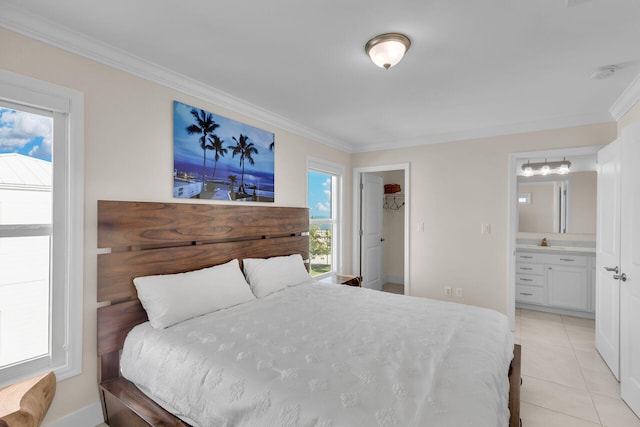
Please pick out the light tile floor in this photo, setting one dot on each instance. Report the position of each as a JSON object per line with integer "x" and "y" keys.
{"x": 565, "y": 382}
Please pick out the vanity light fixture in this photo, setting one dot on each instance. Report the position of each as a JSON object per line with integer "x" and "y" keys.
{"x": 527, "y": 170}
{"x": 563, "y": 169}
{"x": 545, "y": 168}
{"x": 386, "y": 50}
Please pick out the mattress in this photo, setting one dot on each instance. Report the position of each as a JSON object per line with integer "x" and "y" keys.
{"x": 329, "y": 355}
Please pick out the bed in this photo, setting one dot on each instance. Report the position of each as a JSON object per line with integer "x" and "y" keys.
{"x": 141, "y": 239}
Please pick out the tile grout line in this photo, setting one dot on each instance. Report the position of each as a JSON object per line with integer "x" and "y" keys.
{"x": 584, "y": 378}
{"x": 565, "y": 414}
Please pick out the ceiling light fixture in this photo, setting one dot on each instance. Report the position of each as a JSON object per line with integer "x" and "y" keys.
{"x": 386, "y": 50}
{"x": 545, "y": 168}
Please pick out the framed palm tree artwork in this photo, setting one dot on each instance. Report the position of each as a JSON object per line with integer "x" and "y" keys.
{"x": 218, "y": 158}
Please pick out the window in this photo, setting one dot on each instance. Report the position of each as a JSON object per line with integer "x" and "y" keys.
{"x": 41, "y": 229}
{"x": 324, "y": 188}
{"x": 524, "y": 198}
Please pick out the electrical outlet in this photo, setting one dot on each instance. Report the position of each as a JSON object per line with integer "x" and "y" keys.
{"x": 447, "y": 291}
{"x": 458, "y": 292}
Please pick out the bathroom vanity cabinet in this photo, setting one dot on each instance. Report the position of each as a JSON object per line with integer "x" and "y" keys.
{"x": 561, "y": 282}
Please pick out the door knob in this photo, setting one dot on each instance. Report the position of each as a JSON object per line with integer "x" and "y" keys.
{"x": 382, "y": 239}
{"x": 622, "y": 277}
{"x": 614, "y": 269}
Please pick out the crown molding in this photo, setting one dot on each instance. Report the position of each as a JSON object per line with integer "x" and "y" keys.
{"x": 508, "y": 129}
{"x": 628, "y": 98}
{"x": 27, "y": 24}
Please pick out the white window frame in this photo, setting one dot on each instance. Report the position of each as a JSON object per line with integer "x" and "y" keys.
{"x": 66, "y": 106}
{"x": 337, "y": 210}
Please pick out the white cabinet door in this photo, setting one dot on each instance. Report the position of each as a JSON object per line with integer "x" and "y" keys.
{"x": 567, "y": 287}
{"x": 630, "y": 266}
{"x": 607, "y": 302}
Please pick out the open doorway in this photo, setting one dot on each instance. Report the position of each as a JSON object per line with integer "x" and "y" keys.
{"x": 381, "y": 227}
{"x": 552, "y": 223}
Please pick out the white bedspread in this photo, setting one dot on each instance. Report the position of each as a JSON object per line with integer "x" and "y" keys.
{"x": 329, "y": 355}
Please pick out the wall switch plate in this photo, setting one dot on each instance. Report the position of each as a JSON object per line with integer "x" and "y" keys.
{"x": 447, "y": 291}
{"x": 421, "y": 226}
{"x": 485, "y": 228}
{"x": 458, "y": 292}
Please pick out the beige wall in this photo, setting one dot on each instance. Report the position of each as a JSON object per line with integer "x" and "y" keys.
{"x": 631, "y": 117}
{"x": 583, "y": 202}
{"x": 129, "y": 156}
{"x": 455, "y": 188}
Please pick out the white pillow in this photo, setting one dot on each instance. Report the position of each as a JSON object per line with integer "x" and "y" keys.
{"x": 267, "y": 275}
{"x": 172, "y": 298}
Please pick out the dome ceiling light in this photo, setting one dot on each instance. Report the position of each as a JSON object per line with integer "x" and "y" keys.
{"x": 386, "y": 50}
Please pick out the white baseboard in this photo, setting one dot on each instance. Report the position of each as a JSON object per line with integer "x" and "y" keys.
{"x": 89, "y": 416}
{"x": 574, "y": 313}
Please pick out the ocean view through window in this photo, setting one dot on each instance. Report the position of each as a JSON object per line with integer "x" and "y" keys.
{"x": 324, "y": 225}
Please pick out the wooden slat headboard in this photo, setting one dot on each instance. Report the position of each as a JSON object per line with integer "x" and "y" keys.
{"x": 124, "y": 224}
{"x": 162, "y": 238}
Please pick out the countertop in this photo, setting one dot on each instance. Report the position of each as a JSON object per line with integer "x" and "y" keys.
{"x": 538, "y": 248}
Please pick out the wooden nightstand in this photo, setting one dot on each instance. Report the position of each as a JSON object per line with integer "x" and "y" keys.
{"x": 343, "y": 279}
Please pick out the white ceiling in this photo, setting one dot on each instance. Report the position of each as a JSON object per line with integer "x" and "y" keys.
{"x": 475, "y": 68}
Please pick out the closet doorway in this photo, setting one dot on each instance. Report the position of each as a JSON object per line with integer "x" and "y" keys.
{"x": 381, "y": 227}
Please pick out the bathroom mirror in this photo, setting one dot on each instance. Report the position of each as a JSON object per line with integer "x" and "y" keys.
{"x": 558, "y": 203}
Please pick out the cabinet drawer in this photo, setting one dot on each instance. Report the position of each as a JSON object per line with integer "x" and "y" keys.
{"x": 529, "y": 294}
{"x": 529, "y": 280}
{"x": 552, "y": 258}
{"x": 528, "y": 257}
{"x": 529, "y": 268}
{"x": 570, "y": 260}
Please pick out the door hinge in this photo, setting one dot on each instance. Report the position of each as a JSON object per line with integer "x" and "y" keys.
{"x": 361, "y": 186}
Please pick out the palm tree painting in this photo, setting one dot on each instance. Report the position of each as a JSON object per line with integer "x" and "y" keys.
{"x": 219, "y": 150}
{"x": 236, "y": 150}
{"x": 246, "y": 150}
{"x": 204, "y": 126}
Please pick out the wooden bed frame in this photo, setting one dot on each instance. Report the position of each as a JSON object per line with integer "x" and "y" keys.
{"x": 143, "y": 238}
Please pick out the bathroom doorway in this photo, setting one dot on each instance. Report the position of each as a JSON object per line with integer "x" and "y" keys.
{"x": 559, "y": 226}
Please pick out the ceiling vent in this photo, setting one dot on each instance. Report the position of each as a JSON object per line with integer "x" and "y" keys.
{"x": 604, "y": 72}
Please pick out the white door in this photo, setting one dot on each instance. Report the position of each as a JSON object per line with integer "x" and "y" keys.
{"x": 607, "y": 304}
{"x": 371, "y": 231}
{"x": 630, "y": 266}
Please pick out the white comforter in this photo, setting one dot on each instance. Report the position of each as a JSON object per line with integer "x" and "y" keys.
{"x": 329, "y": 355}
